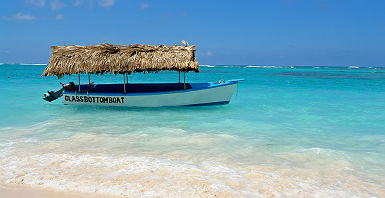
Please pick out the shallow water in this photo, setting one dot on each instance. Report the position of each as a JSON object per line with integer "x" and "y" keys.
{"x": 288, "y": 131}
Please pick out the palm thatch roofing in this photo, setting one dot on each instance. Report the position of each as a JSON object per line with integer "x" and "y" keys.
{"x": 118, "y": 59}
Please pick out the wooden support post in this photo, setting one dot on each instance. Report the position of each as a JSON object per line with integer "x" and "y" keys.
{"x": 124, "y": 84}
{"x": 89, "y": 81}
{"x": 79, "y": 81}
{"x": 184, "y": 80}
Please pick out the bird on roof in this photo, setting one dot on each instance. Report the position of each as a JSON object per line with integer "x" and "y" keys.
{"x": 184, "y": 42}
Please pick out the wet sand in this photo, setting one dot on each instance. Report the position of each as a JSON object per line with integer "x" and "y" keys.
{"x": 25, "y": 191}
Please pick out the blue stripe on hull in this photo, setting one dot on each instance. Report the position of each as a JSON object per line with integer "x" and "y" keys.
{"x": 210, "y": 103}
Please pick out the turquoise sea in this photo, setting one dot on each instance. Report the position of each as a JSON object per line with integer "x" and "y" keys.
{"x": 288, "y": 132}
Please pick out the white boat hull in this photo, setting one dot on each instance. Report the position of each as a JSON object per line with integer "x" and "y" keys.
{"x": 209, "y": 96}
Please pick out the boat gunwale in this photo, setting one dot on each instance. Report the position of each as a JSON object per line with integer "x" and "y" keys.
{"x": 210, "y": 86}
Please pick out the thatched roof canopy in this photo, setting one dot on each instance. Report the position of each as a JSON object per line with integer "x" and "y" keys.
{"x": 115, "y": 59}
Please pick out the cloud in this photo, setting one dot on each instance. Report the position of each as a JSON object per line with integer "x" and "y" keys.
{"x": 27, "y": 17}
{"x": 91, "y": 3}
{"x": 85, "y": 3}
{"x": 56, "y": 4}
{"x": 35, "y": 3}
{"x": 209, "y": 53}
{"x": 106, "y": 3}
{"x": 144, "y": 5}
{"x": 59, "y": 17}
{"x": 77, "y": 3}
{"x": 21, "y": 17}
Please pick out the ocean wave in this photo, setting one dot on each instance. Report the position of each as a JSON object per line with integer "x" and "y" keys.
{"x": 291, "y": 67}
{"x": 23, "y": 64}
{"x": 169, "y": 162}
{"x": 32, "y": 64}
{"x": 261, "y": 66}
{"x": 353, "y": 67}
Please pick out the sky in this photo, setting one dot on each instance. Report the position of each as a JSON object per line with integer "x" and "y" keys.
{"x": 254, "y": 32}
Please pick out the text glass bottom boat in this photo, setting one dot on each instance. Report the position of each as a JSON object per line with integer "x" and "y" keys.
{"x": 152, "y": 94}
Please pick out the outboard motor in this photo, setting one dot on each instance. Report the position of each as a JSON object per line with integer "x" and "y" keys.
{"x": 53, "y": 95}
{"x": 70, "y": 86}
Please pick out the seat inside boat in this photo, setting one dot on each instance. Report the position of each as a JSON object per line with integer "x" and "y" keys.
{"x": 134, "y": 88}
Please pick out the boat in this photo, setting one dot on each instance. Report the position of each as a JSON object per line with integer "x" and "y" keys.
{"x": 126, "y": 60}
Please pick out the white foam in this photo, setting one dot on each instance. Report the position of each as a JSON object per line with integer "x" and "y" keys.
{"x": 23, "y": 63}
{"x": 206, "y": 65}
{"x": 261, "y": 66}
{"x": 169, "y": 162}
{"x": 32, "y": 64}
{"x": 353, "y": 67}
{"x": 131, "y": 175}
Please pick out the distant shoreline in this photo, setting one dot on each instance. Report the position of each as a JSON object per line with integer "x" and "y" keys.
{"x": 243, "y": 66}
{"x": 23, "y": 63}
